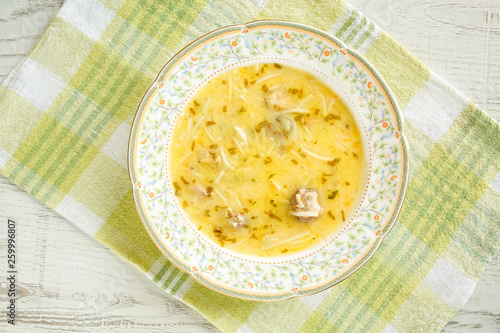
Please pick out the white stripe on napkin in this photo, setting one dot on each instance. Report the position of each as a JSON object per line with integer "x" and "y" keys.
{"x": 244, "y": 329}
{"x": 4, "y": 158}
{"x": 259, "y": 4}
{"x": 389, "y": 329}
{"x": 434, "y": 107}
{"x": 495, "y": 184}
{"x": 36, "y": 84}
{"x": 8, "y": 80}
{"x": 80, "y": 215}
{"x": 117, "y": 145}
{"x": 451, "y": 285}
{"x": 89, "y": 16}
{"x": 315, "y": 300}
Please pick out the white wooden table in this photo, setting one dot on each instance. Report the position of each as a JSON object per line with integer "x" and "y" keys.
{"x": 70, "y": 282}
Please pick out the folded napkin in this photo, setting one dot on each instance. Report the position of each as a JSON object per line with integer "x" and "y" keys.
{"x": 66, "y": 112}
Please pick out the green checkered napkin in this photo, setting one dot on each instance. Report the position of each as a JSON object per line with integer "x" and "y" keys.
{"x": 66, "y": 112}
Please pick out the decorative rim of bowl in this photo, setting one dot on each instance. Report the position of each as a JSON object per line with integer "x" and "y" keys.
{"x": 266, "y": 280}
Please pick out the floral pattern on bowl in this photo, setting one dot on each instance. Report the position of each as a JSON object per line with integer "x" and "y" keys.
{"x": 361, "y": 88}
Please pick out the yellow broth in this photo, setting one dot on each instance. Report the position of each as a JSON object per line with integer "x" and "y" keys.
{"x": 233, "y": 150}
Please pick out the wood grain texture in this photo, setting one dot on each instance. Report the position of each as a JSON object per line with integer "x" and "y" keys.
{"x": 70, "y": 282}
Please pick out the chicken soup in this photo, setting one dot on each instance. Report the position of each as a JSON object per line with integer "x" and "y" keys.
{"x": 266, "y": 160}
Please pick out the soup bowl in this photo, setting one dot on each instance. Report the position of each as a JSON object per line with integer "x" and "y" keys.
{"x": 344, "y": 71}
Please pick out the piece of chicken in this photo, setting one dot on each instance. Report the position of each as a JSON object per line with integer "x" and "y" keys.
{"x": 208, "y": 157}
{"x": 304, "y": 205}
{"x": 281, "y": 127}
{"x": 285, "y": 123}
{"x": 279, "y": 99}
{"x": 236, "y": 220}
